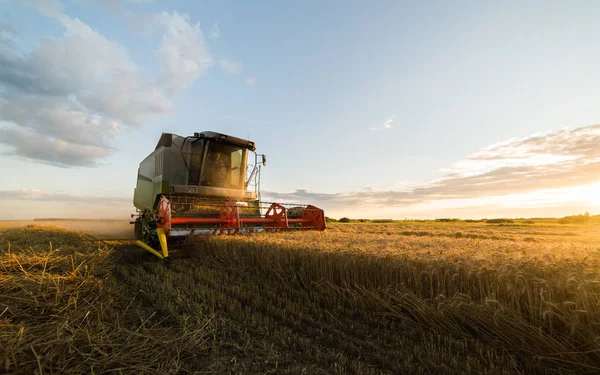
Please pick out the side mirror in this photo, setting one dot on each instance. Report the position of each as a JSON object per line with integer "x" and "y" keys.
{"x": 264, "y": 160}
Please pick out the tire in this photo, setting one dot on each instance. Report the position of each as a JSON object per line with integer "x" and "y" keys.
{"x": 137, "y": 229}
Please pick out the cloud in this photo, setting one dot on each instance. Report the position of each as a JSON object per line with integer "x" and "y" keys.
{"x": 64, "y": 102}
{"x": 28, "y": 144}
{"x": 183, "y": 53}
{"x": 580, "y": 142}
{"x": 553, "y": 160}
{"x": 70, "y": 90}
{"x": 250, "y": 81}
{"x": 214, "y": 32}
{"x": 231, "y": 67}
{"x": 386, "y": 125}
{"x": 563, "y": 147}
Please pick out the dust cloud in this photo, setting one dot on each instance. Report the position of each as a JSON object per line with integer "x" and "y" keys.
{"x": 104, "y": 229}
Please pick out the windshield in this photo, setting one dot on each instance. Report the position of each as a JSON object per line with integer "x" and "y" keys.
{"x": 223, "y": 166}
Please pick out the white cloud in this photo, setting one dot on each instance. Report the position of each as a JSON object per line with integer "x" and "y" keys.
{"x": 565, "y": 159}
{"x": 54, "y": 151}
{"x": 231, "y": 67}
{"x": 183, "y": 54}
{"x": 537, "y": 150}
{"x": 99, "y": 73}
{"x": 250, "y": 81}
{"x": 76, "y": 92}
{"x": 387, "y": 124}
{"x": 214, "y": 32}
{"x": 67, "y": 92}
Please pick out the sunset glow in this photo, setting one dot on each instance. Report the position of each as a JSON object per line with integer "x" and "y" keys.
{"x": 376, "y": 127}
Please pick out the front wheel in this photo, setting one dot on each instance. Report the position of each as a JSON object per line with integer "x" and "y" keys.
{"x": 145, "y": 231}
{"x": 137, "y": 229}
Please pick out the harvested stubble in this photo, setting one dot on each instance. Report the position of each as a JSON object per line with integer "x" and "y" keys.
{"x": 62, "y": 313}
{"x": 362, "y": 298}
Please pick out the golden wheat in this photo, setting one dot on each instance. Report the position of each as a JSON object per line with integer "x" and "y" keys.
{"x": 359, "y": 298}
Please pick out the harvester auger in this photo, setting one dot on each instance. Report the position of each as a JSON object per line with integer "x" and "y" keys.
{"x": 202, "y": 184}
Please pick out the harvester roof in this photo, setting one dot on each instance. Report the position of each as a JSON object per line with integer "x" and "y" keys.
{"x": 166, "y": 139}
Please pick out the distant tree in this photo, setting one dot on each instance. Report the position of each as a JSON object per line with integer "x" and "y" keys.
{"x": 575, "y": 219}
{"x": 344, "y": 220}
{"x": 499, "y": 221}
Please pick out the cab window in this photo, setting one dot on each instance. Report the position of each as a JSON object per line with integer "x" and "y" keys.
{"x": 223, "y": 166}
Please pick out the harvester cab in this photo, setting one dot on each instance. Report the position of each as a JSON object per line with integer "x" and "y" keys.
{"x": 208, "y": 183}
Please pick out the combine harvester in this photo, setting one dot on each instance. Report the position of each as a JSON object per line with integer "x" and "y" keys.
{"x": 202, "y": 184}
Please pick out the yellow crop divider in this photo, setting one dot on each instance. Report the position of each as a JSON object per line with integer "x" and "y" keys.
{"x": 162, "y": 238}
{"x": 148, "y": 248}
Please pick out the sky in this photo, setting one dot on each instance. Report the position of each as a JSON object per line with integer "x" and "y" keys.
{"x": 382, "y": 109}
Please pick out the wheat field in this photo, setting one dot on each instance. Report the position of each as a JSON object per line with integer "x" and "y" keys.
{"x": 360, "y": 298}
